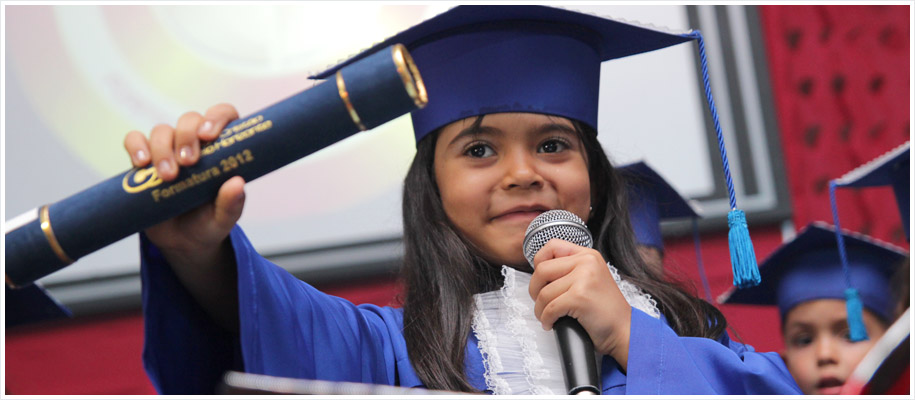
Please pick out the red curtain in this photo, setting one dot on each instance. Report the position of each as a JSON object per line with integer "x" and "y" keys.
{"x": 840, "y": 78}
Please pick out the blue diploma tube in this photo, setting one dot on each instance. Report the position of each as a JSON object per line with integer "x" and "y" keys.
{"x": 361, "y": 96}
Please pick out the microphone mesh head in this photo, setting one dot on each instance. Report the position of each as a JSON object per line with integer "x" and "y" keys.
{"x": 554, "y": 224}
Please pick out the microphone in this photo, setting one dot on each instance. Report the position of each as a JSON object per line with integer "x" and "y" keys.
{"x": 575, "y": 347}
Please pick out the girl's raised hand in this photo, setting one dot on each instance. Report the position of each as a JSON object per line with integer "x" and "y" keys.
{"x": 195, "y": 243}
{"x": 571, "y": 280}
{"x": 170, "y": 148}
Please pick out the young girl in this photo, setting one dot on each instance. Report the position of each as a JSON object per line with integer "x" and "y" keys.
{"x": 510, "y": 132}
{"x": 805, "y": 279}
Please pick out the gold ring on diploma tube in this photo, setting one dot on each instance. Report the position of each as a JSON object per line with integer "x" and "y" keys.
{"x": 344, "y": 95}
{"x": 45, "y": 219}
{"x": 410, "y": 75}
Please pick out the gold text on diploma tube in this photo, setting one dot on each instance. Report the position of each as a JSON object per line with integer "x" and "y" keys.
{"x": 238, "y": 133}
{"x": 141, "y": 179}
{"x": 226, "y": 165}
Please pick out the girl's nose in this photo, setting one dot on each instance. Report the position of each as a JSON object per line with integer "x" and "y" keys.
{"x": 521, "y": 171}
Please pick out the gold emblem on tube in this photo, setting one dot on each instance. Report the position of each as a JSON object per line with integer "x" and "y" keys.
{"x": 410, "y": 75}
{"x": 45, "y": 219}
{"x": 140, "y": 179}
{"x": 9, "y": 282}
{"x": 344, "y": 95}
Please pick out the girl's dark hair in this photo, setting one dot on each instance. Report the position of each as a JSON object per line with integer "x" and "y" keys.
{"x": 442, "y": 271}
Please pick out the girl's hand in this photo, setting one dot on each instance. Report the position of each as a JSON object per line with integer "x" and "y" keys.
{"x": 571, "y": 280}
{"x": 169, "y": 149}
{"x": 196, "y": 244}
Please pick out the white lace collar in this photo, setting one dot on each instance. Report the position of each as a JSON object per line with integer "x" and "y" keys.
{"x": 519, "y": 357}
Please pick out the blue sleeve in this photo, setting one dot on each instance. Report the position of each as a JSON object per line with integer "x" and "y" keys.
{"x": 184, "y": 351}
{"x": 287, "y": 328}
{"x": 660, "y": 362}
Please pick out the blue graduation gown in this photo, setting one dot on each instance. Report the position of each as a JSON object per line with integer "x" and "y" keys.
{"x": 290, "y": 329}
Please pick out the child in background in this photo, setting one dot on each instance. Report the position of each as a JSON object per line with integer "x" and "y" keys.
{"x": 652, "y": 200}
{"x": 510, "y": 132}
{"x": 804, "y": 277}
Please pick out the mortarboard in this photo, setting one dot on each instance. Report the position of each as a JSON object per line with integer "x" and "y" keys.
{"x": 809, "y": 268}
{"x": 30, "y": 304}
{"x": 480, "y": 59}
{"x": 652, "y": 200}
{"x": 488, "y": 59}
{"x": 890, "y": 169}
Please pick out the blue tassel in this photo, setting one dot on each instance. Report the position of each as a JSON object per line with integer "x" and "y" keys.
{"x": 743, "y": 258}
{"x": 856, "y": 329}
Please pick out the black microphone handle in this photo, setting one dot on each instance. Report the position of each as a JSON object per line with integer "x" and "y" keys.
{"x": 577, "y": 353}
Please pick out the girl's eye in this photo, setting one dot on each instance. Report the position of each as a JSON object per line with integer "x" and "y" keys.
{"x": 552, "y": 146}
{"x": 479, "y": 151}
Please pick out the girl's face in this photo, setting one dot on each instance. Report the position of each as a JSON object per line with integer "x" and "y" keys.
{"x": 818, "y": 351}
{"x": 495, "y": 178}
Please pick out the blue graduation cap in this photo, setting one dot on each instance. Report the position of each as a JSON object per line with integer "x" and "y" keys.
{"x": 30, "y": 304}
{"x": 478, "y": 60}
{"x": 890, "y": 169}
{"x": 652, "y": 200}
{"x": 809, "y": 268}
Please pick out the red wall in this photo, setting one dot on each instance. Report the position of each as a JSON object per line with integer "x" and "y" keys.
{"x": 840, "y": 77}
{"x": 101, "y": 355}
{"x": 98, "y": 356}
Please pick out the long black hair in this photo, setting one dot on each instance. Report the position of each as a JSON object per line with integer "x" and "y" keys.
{"x": 442, "y": 271}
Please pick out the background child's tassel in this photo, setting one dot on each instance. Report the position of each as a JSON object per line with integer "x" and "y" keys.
{"x": 856, "y": 329}
{"x": 743, "y": 258}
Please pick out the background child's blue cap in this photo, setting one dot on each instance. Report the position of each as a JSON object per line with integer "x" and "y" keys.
{"x": 30, "y": 304}
{"x": 478, "y": 60}
{"x": 808, "y": 268}
{"x": 890, "y": 169}
{"x": 651, "y": 200}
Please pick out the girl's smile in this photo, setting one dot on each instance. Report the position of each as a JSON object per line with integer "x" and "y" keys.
{"x": 522, "y": 213}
